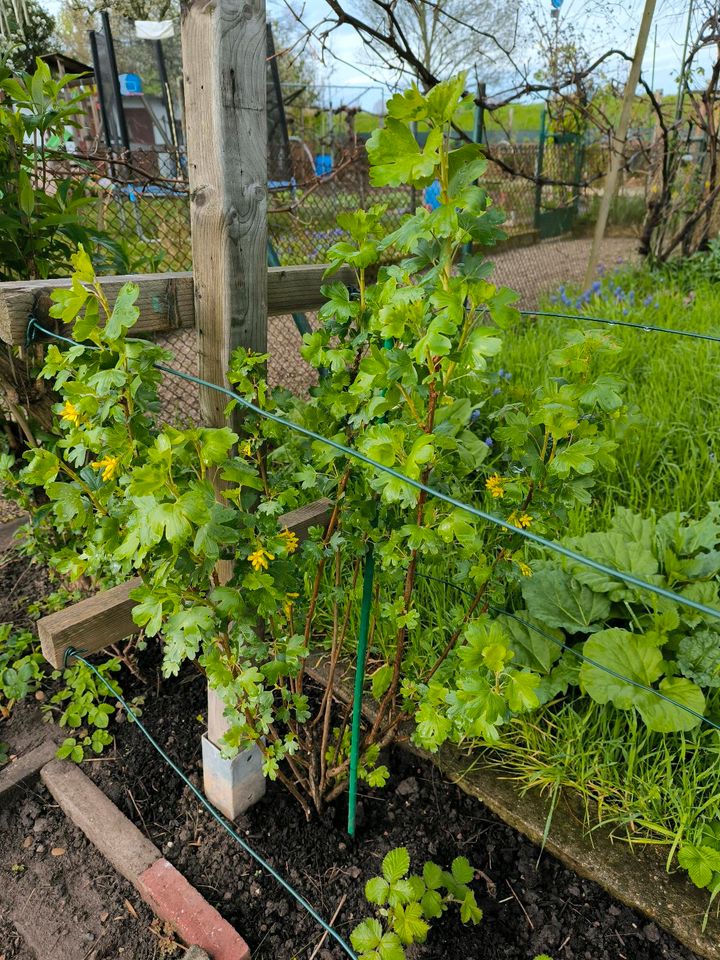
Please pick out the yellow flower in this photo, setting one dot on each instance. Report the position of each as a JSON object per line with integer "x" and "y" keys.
{"x": 71, "y": 414}
{"x": 524, "y": 568}
{"x": 291, "y": 540}
{"x": 524, "y": 520}
{"x": 246, "y": 449}
{"x": 108, "y": 465}
{"x": 259, "y": 559}
{"x": 494, "y": 485}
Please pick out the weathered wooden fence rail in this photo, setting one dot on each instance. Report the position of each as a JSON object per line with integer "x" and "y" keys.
{"x": 166, "y": 300}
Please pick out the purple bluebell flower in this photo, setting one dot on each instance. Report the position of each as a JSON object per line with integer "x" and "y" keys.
{"x": 488, "y": 441}
{"x": 648, "y": 300}
{"x": 496, "y": 391}
{"x": 475, "y": 415}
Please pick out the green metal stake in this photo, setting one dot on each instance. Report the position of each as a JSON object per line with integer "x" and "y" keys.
{"x": 368, "y": 578}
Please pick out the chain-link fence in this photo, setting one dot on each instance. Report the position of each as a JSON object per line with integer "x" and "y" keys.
{"x": 143, "y": 205}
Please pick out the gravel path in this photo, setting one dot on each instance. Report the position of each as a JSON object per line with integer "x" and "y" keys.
{"x": 541, "y": 268}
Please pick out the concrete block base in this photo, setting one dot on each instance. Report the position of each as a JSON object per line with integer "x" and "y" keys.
{"x": 232, "y": 785}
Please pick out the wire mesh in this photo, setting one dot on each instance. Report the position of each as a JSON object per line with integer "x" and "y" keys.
{"x": 142, "y": 204}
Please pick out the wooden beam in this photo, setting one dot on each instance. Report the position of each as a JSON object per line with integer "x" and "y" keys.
{"x": 166, "y": 300}
{"x": 89, "y": 625}
{"x": 100, "y": 621}
{"x": 225, "y": 81}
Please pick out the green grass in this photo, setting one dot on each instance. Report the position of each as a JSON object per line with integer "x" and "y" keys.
{"x": 647, "y": 787}
{"x": 669, "y": 441}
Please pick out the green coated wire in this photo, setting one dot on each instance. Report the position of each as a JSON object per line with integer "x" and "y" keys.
{"x": 500, "y": 611}
{"x": 430, "y": 491}
{"x": 368, "y": 577}
{"x": 210, "y": 808}
{"x": 643, "y": 327}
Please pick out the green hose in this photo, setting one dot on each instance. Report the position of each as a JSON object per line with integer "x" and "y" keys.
{"x": 368, "y": 578}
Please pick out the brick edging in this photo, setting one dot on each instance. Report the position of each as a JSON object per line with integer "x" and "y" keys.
{"x": 161, "y": 886}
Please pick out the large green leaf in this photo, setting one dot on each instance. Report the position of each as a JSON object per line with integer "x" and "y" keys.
{"x": 614, "y": 550}
{"x": 556, "y": 599}
{"x": 530, "y": 648}
{"x": 397, "y": 158}
{"x": 628, "y": 654}
{"x": 664, "y": 717}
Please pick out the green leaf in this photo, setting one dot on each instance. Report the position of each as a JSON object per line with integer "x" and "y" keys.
{"x": 530, "y": 648}
{"x": 461, "y": 870}
{"x": 397, "y": 158}
{"x": 366, "y": 936}
{"x": 700, "y": 862}
{"x": 614, "y": 550}
{"x": 577, "y": 457}
{"x": 664, "y": 717}
{"x": 215, "y": 444}
{"x": 124, "y": 313}
{"x": 628, "y": 654}
{"x": 699, "y": 657}
{"x": 556, "y": 599}
{"x": 381, "y": 680}
{"x": 390, "y": 947}
{"x": 376, "y": 890}
{"x": 26, "y": 194}
{"x": 520, "y": 690}
{"x": 469, "y": 910}
{"x": 432, "y": 875}
{"x": 396, "y": 864}
{"x": 432, "y": 904}
{"x": 408, "y": 923}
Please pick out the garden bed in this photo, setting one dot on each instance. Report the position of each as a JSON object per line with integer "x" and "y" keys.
{"x": 60, "y": 898}
{"x": 531, "y": 902}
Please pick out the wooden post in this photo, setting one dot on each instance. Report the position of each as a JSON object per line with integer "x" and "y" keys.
{"x": 618, "y": 141}
{"x": 224, "y": 67}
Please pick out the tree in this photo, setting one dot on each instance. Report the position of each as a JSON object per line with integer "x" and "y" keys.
{"x": 474, "y": 35}
{"x": 25, "y": 33}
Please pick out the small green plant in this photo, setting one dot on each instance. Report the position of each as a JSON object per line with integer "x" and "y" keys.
{"x": 74, "y": 695}
{"x": 656, "y": 643}
{"x": 21, "y": 666}
{"x": 407, "y": 904}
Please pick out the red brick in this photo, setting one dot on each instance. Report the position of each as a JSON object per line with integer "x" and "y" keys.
{"x": 177, "y": 902}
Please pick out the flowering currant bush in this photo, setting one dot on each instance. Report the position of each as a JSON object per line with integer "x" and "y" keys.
{"x": 405, "y": 364}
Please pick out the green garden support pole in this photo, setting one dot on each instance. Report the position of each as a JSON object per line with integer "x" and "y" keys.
{"x": 368, "y": 578}
{"x": 539, "y": 170}
{"x": 478, "y": 133}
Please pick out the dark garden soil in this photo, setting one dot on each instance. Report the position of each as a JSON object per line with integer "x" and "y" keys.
{"x": 532, "y": 904}
{"x": 60, "y": 899}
